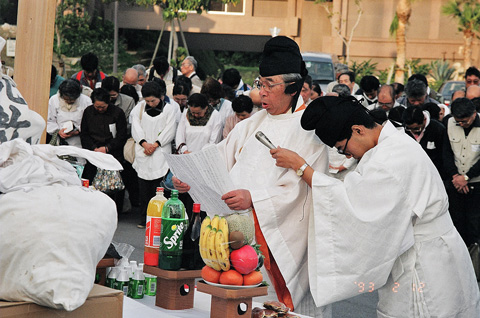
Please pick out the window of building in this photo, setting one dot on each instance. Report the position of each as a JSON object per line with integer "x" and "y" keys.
{"x": 217, "y": 7}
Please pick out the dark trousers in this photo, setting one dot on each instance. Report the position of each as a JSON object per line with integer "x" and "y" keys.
{"x": 130, "y": 178}
{"x": 465, "y": 212}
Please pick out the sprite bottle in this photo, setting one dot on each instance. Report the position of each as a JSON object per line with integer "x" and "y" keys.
{"x": 174, "y": 225}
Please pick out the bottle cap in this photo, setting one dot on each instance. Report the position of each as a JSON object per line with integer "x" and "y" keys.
{"x": 123, "y": 276}
{"x": 159, "y": 189}
{"x": 196, "y": 207}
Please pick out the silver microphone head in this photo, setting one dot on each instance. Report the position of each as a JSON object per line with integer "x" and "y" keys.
{"x": 264, "y": 140}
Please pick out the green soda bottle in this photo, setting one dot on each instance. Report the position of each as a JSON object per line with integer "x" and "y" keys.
{"x": 174, "y": 225}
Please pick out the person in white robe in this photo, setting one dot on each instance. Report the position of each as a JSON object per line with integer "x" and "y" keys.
{"x": 387, "y": 226}
{"x": 200, "y": 125}
{"x": 281, "y": 201}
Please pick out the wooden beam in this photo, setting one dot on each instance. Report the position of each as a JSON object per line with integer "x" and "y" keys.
{"x": 34, "y": 52}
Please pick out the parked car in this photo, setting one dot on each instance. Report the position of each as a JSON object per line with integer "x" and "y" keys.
{"x": 448, "y": 88}
{"x": 320, "y": 67}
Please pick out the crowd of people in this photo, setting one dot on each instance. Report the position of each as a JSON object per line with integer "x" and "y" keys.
{"x": 377, "y": 131}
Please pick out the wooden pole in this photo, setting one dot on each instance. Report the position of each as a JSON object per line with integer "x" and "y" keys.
{"x": 34, "y": 52}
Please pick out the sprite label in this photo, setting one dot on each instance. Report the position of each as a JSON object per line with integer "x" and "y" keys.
{"x": 172, "y": 235}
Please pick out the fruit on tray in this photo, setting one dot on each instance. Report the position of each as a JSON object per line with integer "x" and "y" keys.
{"x": 210, "y": 275}
{"x": 245, "y": 259}
{"x": 236, "y": 240}
{"x": 242, "y": 223}
{"x": 231, "y": 277}
{"x": 253, "y": 278}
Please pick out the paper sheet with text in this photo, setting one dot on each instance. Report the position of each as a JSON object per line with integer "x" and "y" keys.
{"x": 206, "y": 174}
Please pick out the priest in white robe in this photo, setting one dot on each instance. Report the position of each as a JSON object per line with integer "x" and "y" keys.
{"x": 387, "y": 226}
{"x": 280, "y": 199}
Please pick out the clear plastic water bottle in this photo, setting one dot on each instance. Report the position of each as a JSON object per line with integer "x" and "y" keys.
{"x": 174, "y": 225}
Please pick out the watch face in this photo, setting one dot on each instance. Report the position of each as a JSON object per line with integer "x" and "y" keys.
{"x": 299, "y": 172}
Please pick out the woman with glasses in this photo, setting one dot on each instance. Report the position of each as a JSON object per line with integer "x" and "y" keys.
{"x": 65, "y": 111}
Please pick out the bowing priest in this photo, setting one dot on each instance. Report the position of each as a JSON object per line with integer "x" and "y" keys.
{"x": 387, "y": 226}
{"x": 280, "y": 199}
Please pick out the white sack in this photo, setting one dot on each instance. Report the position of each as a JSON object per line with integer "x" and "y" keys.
{"x": 53, "y": 232}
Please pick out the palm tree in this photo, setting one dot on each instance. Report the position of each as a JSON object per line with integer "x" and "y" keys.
{"x": 398, "y": 28}
{"x": 467, "y": 14}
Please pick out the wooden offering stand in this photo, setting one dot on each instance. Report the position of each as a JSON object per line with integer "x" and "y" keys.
{"x": 175, "y": 289}
{"x": 227, "y": 302}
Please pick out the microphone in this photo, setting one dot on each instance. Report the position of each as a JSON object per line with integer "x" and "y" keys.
{"x": 264, "y": 140}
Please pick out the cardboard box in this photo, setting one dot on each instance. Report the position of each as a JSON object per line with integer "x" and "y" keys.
{"x": 102, "y": 302}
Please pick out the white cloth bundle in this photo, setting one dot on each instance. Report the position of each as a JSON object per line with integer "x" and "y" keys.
{"x": 53, "y": 232}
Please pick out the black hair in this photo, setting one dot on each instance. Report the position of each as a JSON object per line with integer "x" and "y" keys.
{"x": 70, "y": 88}
{"x": 53, "y": 75}
{"x": 476, "y": 103}
{"x": 316, "y": 87}
{"x": 212, "y": 88}
{"x": 231, "y": 77}
{"x": 369, "y": 83}
{"x": 228, "y": 92}
{"x": 89, "y": 62}
{"x": 462, "y": 108}
{"x": 161, "y": 65}
{"x": 396, "y": 116}
{"x": 472, "y": 70}
{"x": 129, "y": 90}
{"x": 357, "y": 118}
{"x": 309, "y": 81}
{"x": 413, "y": 115}
{"x": 184, "y": 79}
{"x": 379, "y": 115}
{"x": 418, "y": 77}
{"x": 152, "y": 89}
{"x": 198, "y": 100}
{"x": 161, "y": 83}
{"x": 399, "y": 88}
{"x": 111, "y": 83}
{"x": 100, "y": 94}
{"x": 242, "y": 103}
{"x": 180, "y": 88}
{"x": 342, "y": 90}
{"x": 350, "y": 74}
{"x": 433, "y": 109}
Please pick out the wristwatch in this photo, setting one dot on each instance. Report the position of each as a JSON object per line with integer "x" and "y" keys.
{"x": 466, "y": 177}
{"x": 301, "y": 170}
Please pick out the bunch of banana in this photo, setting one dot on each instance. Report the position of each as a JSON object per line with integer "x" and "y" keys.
{"x": 214, "y": 243}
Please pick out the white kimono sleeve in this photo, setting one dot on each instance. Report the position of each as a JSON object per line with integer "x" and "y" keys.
{"x": 357, "y": 231}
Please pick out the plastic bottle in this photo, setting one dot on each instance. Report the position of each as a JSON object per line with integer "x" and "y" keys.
{"x": 112, "y": 277}
{"x": 137, "y": 285}
{"x": 123, "y": 281}
{"x": 153, "y": 228}
{"x": 174, "y": 225}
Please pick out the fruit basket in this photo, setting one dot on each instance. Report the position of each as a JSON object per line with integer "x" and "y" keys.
{"x": 175, "y": 289}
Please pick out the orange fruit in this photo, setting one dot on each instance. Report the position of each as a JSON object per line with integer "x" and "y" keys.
{"x": 253, "y": 278}
{"x": 231, "y": 277}
{"x": 210, "y": 275}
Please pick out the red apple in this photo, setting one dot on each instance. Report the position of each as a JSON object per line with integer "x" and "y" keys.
{"x": 245, "y": 259}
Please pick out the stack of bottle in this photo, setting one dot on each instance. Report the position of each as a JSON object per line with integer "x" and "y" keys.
{"x": 131, "y": 280}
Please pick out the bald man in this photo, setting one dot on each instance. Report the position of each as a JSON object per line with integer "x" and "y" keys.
{"x": 386, "y": 98}
{"x": 130, "y": 76}
{"x": 473, "y": 91}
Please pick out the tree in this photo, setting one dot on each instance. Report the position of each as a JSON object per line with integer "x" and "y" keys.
{"x": 398, "y": 28}
{"x": 339, "y": 25}
{"x": 467, "y": 14}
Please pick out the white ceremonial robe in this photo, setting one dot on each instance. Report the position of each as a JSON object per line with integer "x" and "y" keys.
{"x": 196, "y": 137}
{"x": 387, "y": 227}
{"x": 282, "y": 200}
{"x": 160, "y": 128}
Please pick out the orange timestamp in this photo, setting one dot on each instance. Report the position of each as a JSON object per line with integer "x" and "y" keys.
{"x": 370, "y": 287}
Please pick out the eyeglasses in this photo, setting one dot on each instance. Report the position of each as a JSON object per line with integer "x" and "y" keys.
{"x": 464, "y": 121}
{"x": 385, "y": 104}
{"x": 414, "y": 130}
{"x": 266, "y": 85}
{"x": 342, "y": 151}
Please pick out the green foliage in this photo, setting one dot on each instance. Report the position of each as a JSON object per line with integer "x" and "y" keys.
{"x": 441, "y": 72}
{"x": 363, "y": 68}
{"x": 383, "y": 76}
{"x": 394, "y": 26}
{"x": 6, "y": 8}
{"x": 417, "y": 68}
{"x": 466, "y": 12}
{"x": 251, "y": 59}
{"x": 208, "y": 64}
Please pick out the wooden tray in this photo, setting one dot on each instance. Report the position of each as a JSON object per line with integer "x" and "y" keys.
{"x": 175, "y": 289}
{"x": 227, "y": 302}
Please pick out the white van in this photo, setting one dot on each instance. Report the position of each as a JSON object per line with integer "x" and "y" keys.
{"x": 320, "y": 68}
